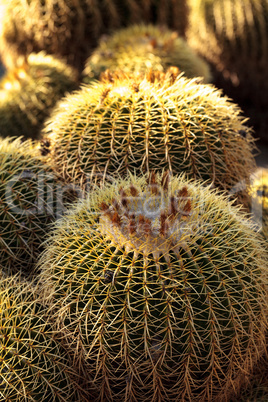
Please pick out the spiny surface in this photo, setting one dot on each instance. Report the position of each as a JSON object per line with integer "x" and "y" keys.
{"x": 26, "y": 204}
{"x": 164, "y": 280}
{"x": 29, "y": 92}
{"x": 163, "y": 121}
{"x": 141, "y": 47}
{"x": 34, "y": 366}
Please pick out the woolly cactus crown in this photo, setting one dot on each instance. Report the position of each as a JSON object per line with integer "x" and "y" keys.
{"x": 164, "y": 121}
{"x": 29, "y": 91}
{"x": 141, "y": 47}
{"x": 165, "y": 281}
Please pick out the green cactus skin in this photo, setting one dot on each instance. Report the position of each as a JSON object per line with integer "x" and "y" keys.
{"x": 72, "y": 28}
{"x": 26, "y": 204}
{"x": 34, "y": 366}
{"x": 29, "y": 92}
{"x": 126, "y": 123}
{"x": 165, "y": 281}
{"x": 233, "y": 36}
{"x": 141, "y": 47}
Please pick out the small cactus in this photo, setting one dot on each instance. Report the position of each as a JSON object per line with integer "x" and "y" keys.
{"x": 165, "y": 281}
{"x": 163, "y": 121}
{"x": 142, "y": 47}
{"x": 233, "y": 36}
{"x": 27, "y": 189}
{"x": 29, "y": 92}
{"x": 34, "y": 366}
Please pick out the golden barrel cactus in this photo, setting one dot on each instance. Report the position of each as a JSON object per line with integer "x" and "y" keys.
{"x": 30, "y": 91}
{"x": 233, "y": 36}
{"x": 34, "y": 366}
{"x": 163, "y": 121}
{"x": 139, "y": 48}
{"x": 28, "y": 204}
{"x": 164, "y": 284}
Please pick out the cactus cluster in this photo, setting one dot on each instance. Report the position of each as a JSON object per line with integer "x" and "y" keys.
{"x": 29, "y": 92}
{"x": 153, "y": 286}
{"x": 27, "y": 189}
{"x": 71, "y": 29}
{"x": 34, "y": 366}
{"x": 141, "y": 47}
{"x": 163, "y": 121}
{"x": 233, "y": 36}
{"x": 165, "y": 281}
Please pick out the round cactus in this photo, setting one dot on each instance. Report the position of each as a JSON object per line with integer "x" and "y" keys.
{"x": 71, "y": 28}
{"x": 29, "y": 92}
{"x": 141, "y": 47}
{"x": 165, "y": 281}
{"x": 232, "y": 35}
{"x": 34, "y": 366}
{"x": 164, "y": 121}
{"x": 27, "y": 205}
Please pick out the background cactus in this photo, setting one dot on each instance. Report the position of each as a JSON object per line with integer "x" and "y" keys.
{"x": 141, "y": 47}
{"x": 233, "y": 36}
{"x": 28, "y": 190}
{"x": 127, "y": 123}
{"x": 259, "y": 195}
{"x": 29, "y": 92}
{"x": 34, "y": 366}
{"x": 165, "y": 281}
{"x": 71, "y": 28}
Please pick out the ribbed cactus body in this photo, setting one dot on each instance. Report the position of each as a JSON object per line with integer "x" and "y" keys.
{"x": 141, "y": 47}
{"x": 71, "y": 28}
{"x": 165, "y": 281}
{"x": 29, "y": 92}
{"x": 126, "y": 123}
{"x": 34, "y": 366}
{"x": 233, "y": 36}
{"x": 27, "y": 204}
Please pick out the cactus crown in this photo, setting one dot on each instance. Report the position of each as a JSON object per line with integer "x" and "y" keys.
{"x": 141, "y": 47}
{"x": 153, "y": 222}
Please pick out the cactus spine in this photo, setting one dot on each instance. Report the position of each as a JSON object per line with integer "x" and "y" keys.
{"x": 34, "y": 366}
{"x": 141, "y": 47}
{"x": 164, "y": 121}
{"x": 26, "y": 204}
{"x": 29, "y": 92}
{"x": 165, "y": 280}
